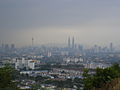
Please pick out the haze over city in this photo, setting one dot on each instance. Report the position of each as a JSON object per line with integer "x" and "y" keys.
{"x": 59, "y": 44}
{"x": 53, "y": 21}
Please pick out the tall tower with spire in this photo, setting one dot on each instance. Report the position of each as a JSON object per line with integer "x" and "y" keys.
{"x": 32, "y": 41}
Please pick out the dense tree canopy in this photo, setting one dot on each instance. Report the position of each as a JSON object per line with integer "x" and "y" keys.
{"x": 101, "y": 77}
{"x": 6, "y": 77}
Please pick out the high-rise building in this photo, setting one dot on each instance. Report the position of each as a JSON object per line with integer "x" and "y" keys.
{"x": 25, "y": 63}
{"x": 73, "y": 43}
{"x": 6, "y": 46}
{"x": 69, "y": 43}
{"x": 12, "y": 46}
{"x": 95, "y": 48}
{"x": 111, "y": 47}
{"x": 3, "y": 46}
{"x": 80, "y": 47}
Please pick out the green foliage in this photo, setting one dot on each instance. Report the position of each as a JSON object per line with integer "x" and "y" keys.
{"x": 101, "y": 77}
{"x": 87, "y": 79}
{"x": 61, "y": 84}
{"x": 85, "y": 73}
{"x": 6, "y": 77}
{"x": 78, "y": 89}
{"x": 78, "y": 82}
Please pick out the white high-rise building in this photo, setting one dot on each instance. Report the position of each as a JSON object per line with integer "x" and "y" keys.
{"x": 23, "y": 63}
{"x": 31, "y": 64}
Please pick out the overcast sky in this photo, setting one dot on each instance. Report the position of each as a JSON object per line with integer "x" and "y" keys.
{"x": 53, "y": 21}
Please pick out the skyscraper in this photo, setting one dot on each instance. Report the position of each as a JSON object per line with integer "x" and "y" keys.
{"x": 12, "y": 46}
{"x": 111, "y": 47}
{"x": 6, "y": 47}
{"x": 69, "y": 43}
{"x": 73, "y": 43}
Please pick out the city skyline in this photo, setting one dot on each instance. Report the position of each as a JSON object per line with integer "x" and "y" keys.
{"x": 70, "y": 44}
{"x": 53, "y": 21}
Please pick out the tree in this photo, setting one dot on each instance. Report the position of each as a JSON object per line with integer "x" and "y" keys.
{"x": 6, "y": 77}
{"x": 101, "y": 77}
{"x": 87, "y": 81}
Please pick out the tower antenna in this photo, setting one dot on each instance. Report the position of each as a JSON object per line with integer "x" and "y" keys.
{"x": 32, "y": 41}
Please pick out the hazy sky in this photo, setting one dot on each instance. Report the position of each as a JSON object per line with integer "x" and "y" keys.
{"x": 53, "y": 21}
